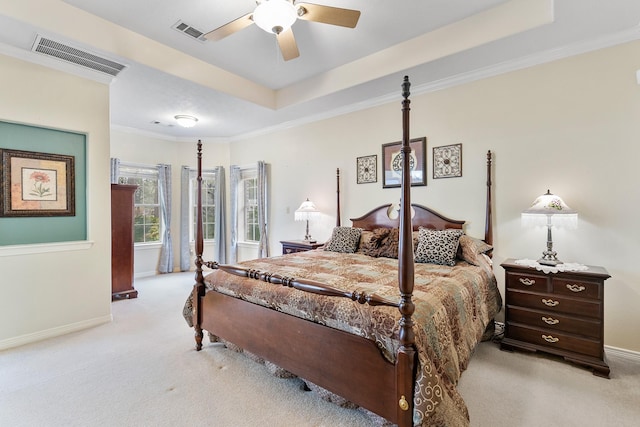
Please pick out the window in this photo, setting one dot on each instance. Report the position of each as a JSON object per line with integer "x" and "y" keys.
{"x": 147, "y": 227}
{"x": 250, "y": 196}
{"x": 247, "y": 202}
{"x": 208, "y": 205}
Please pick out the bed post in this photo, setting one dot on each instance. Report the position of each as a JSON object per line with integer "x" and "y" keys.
{"x": 199, "y": 287}
{"x": 405, "y": 363}
{"x": 338, "y": 197}
{"x": 488, "y": 227}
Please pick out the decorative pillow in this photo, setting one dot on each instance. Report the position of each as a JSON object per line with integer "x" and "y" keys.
{"x": 344, "y": 239}
{"x": 470, "y": 249}
{"x": 438, "y": 246}
{"x": 365, "y": 236}
{"x": 382, "y": 243}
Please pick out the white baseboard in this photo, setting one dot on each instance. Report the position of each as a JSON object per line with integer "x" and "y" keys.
{"x": 53, "y": 332}
{"x": 633, "y": 356}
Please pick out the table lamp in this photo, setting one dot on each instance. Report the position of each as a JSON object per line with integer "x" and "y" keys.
{"x": 551, "y": 211}
{"x": 305, "y": 212}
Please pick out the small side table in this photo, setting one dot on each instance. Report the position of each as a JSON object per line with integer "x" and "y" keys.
{"x": 559, "y": 313}
{"x": 291, "y": 246}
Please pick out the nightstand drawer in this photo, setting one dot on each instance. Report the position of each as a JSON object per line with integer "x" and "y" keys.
{"x": 555, "y": 322}
{"x": 556, "y": 340}
{"x": 576, "y": 288}
{"x": 554, "y": 303}
{"x": 528, "y": 282}
{"x": 293, "y": 246}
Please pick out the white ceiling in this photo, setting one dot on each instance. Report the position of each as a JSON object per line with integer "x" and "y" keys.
{"x": 240, "y": 85}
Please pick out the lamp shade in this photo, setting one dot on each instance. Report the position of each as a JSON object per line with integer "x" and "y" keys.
{"x": 550, "y": 207}
{"x": 306, "y": 211}
{"x": 275, "y": 16}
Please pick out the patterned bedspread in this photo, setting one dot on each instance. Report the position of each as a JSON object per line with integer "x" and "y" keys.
{"x": 454, "y": 305}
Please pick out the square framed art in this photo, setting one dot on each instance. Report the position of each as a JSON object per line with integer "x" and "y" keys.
{"x": 392, "y": 163}
{"x": 37, "y": 184}
{"x": 367, "y": 168}
{"x": 447, "y": 161}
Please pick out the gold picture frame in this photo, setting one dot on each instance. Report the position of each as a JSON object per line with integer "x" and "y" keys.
{"x": 36, "y": 184}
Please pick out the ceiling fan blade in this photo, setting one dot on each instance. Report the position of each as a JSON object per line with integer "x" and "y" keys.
{"x": 230, "y": 28}
{"x": 288, "y": 45}
{"x": 328, "y": 14}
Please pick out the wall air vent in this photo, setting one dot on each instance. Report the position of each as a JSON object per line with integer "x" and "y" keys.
{"x": 189, "y": 30}
{"x": 76, "y": 56}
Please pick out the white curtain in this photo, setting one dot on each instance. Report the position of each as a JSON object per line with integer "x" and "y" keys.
{"x": 263, "y": 247}
{"x": 220, "y": 220}
{"x": 165, "y": 265}
{"x": 115, "y": 170}
{"x": 185, "y": 197}
{"x": 235, "y": 175}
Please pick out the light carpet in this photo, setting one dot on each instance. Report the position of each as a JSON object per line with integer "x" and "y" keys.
{"x": 142, "y": 370}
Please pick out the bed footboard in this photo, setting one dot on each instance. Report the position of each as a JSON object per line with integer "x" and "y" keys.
{"x": 311, "y": 351}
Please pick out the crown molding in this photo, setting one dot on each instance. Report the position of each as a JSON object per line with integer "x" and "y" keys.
{"x": 628, "y": 35}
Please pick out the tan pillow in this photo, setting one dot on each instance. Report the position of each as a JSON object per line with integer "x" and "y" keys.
{"x": 365, "y": 236}
{"x": 470, "y": 248}
{"x": 382, "y": 243}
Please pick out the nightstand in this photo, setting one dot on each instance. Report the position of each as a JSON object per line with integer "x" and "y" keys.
{"x": 558, "y": 313}
{"x": 291, "y": 246}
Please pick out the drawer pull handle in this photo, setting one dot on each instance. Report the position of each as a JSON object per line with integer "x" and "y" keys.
{"x": 549, "y": 302}
{"x": 575, "y": 288}
{"x": 526, "y": 281}
{"x": 404, "y": 405}
{"x": 550, "y": 320}
{"x": 551, "y": 339}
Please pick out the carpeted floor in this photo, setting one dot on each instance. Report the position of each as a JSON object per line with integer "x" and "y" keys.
{"x": 142, "y": 370}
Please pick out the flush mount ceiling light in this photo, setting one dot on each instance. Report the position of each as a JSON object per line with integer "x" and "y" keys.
{"x": 186, "y": 121}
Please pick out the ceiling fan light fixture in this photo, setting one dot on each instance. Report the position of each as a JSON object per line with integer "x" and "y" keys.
{"x": 275, "y": 16}
{"x": 186, "y": 121}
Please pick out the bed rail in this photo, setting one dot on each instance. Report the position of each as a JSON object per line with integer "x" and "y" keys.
{"x": 305, "y": 285}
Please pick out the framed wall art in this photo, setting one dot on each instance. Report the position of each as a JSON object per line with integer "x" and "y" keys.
{"x": 37, "y": 184}
{"x": 392, "y": 163}
{"x": 367, "y": 167}
{"x": 447, "y": 161}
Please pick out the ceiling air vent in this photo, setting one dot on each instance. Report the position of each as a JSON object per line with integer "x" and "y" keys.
{"x": 189, "y": 30}
{"x": 76, "y": 56}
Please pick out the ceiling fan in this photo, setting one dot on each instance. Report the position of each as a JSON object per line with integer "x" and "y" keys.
{"x": 277, "y": 17}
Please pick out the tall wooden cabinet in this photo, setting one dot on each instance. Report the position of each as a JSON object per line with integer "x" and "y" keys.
{"x": 122, "y": 241}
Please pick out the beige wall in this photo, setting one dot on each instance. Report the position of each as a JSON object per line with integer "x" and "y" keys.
{"x": 53, "y": 289}
{"x": 572, "y": 126}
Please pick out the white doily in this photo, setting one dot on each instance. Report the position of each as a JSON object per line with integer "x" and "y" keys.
{"x": 567, "y": 266}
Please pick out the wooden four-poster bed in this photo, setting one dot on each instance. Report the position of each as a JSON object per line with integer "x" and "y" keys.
{"x": 384, "y": 332}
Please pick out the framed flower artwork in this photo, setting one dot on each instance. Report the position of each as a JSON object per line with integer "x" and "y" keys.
{"x": 367, "y": 167}
{"x": 37, "y": 184}
{"x": 447, "y": 161}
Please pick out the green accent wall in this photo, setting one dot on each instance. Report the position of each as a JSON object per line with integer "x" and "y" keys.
{"x": 29, "y": 230}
